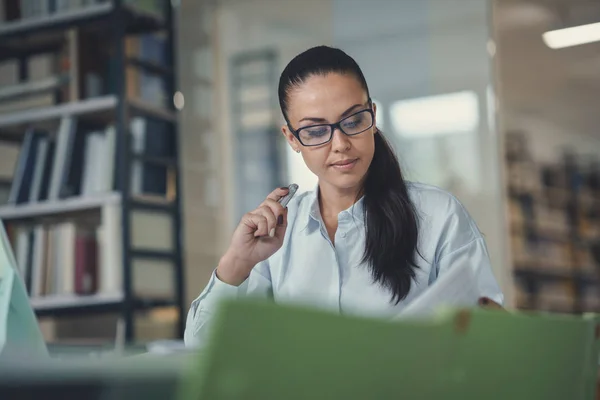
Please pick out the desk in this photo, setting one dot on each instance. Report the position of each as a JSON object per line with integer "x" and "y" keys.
{"x": 144, "y": 376}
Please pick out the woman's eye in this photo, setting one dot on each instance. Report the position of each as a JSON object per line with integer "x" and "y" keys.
{"x": 316, "y": 132}
{"x": 353, "y": 122}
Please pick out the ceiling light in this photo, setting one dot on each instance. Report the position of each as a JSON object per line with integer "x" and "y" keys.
{"x": 573, "y": 36}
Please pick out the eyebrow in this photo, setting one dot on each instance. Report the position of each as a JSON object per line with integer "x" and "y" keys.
{"x": 345, "y": 113}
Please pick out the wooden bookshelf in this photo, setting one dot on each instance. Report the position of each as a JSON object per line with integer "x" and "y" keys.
{"x": 112, "y": 61}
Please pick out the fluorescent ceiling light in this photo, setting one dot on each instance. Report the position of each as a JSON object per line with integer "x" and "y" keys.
{"x": 444, "y": 114}
{"x": 572, "y": 36}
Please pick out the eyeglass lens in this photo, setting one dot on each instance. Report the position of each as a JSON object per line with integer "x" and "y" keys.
{"x": 352, "y": 125}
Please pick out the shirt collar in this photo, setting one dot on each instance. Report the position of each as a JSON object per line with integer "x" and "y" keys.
{"x": 314, "y": 219}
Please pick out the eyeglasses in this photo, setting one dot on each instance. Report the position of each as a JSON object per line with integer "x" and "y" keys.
{"x": 316, "y": 135}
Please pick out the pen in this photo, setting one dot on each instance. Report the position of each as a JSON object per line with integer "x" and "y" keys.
{"x": 292, "y": 189}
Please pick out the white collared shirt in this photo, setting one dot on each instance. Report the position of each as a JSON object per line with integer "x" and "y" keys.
{"x": 310, "y": 270}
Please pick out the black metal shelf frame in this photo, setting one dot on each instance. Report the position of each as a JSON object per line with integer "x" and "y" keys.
{"x": 121, "y": 16}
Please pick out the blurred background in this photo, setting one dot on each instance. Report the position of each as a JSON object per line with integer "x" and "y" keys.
{"x": 135, "y": 133}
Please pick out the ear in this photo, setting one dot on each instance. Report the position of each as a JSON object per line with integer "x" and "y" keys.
{"x": 291, "y": 139}
{"x": 375, "y": 115}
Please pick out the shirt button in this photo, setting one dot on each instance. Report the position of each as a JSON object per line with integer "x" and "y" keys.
{"x": 343, "y": 234}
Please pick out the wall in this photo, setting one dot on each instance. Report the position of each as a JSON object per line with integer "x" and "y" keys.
{"x": 200, "y": 161}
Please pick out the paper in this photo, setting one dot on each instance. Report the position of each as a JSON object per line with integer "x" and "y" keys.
{"x": 455, "y": 288}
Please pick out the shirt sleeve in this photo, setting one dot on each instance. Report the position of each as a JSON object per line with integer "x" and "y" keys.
{"x": 460, "y": 242}
{"x": 203, "y": 308}
{"x": 476, "y": 254}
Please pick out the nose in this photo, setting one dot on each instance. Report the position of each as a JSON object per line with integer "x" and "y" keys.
{"x": 340, "y": 141}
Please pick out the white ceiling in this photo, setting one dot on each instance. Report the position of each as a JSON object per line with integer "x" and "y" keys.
{"x": 562, "y": 87}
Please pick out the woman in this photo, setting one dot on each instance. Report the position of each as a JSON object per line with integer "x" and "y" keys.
{"x": 365, "y": 241}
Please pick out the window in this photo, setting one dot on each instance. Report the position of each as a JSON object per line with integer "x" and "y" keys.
{"x": 444, "y": 114}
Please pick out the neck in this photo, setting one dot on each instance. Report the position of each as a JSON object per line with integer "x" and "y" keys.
{"x": 333, "y": 201}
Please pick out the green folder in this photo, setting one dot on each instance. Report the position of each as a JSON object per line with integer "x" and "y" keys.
{"x": 20, "y": 335}
{"x": 267, "y": 351}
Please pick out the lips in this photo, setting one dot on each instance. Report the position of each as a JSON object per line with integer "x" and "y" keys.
{"x": 343, "y": 163}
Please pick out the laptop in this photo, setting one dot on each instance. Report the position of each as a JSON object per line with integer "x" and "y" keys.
{"x": 20, "y": 334}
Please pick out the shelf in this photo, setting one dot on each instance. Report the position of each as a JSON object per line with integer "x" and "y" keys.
{"x": 61, "y": 305}
{"x": 140, "y": 20}
{"x": 11, "y": 92}
{"x": 149, "y": 110}
{"x": 151, "y": 203}
{"x": 55, "y": 302}
{"x": 46, "y": 33}
{"x": 51, "y": 208}
{"x": 547, "y": 274}
{"x": 153, "y": 254}
{"x": 93, "y": 106}
{"x": 555, "y": 197}
{"x": 82, "y": 107}
{"x": 59, "y": 20}
{"x": 155, "y": 160}
{"x": 150, "y": 66}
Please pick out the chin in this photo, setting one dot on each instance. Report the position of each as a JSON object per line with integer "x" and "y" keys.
{"x": 345, "y": 182}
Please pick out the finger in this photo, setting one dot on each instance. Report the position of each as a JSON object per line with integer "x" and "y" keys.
{"x": 267, "y": 213}
{"x": 276, "y": 208}
{"x": 278, "y": 193}
{"x": 486, "y": 302}
{"x": 283, "y": 225}
{"x": 256, "y": 224}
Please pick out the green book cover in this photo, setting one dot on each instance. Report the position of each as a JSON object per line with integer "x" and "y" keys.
{"x": 265, "y": 351}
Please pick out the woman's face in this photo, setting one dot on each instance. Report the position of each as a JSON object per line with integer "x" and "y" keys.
{"x": 342, "y": 162}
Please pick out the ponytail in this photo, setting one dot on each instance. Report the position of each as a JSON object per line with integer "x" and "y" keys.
{"x": 391, "y": 223}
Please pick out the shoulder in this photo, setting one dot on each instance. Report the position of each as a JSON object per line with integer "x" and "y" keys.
{"x": 441, "y": 210}
{"x": 426, "y": 196}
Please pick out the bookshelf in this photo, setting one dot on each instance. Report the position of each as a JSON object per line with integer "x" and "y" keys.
{"x": 554, "y": 210}
{"x": 92, "y": 203}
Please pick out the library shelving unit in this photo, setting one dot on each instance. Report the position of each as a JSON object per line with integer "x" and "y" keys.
{"x": 554, "y": 229}
{"x": 96, "y": 36}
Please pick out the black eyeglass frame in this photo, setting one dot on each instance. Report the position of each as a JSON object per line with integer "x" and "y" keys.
{"x": 333, "y": 127}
